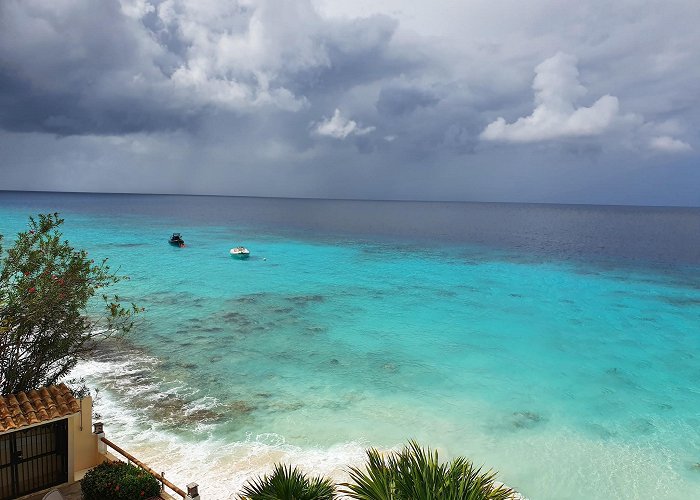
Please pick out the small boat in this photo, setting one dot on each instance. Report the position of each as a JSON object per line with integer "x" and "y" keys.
{"x": 177, "y": 240}
{"x": 240, "y": 252}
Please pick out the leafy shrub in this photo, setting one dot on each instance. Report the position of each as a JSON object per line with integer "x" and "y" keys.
{"x": 118, "y": 481}
{"x": 287, "y": 483}
{"x": 49, "y": 306}
{"x": 415, "y": 473}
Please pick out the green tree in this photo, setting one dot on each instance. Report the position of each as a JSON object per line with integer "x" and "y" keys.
{"x": 50, "y": 315}
{"x": 287, "y": 483}
{"x": 416, "y": 473}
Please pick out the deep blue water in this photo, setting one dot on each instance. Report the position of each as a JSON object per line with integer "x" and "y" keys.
{"x": 663, "y": 235}
{"x": 557, "y": 344}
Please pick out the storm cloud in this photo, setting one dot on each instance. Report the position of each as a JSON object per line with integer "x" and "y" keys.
{"x": 422, "y": 100}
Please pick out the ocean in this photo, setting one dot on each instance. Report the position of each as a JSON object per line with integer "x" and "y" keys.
{"x": 556, "y": 344}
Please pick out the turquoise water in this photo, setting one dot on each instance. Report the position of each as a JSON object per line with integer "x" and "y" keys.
{"x": 574, "y": 377}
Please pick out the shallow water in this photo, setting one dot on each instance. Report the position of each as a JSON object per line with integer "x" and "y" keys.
{"x": 556, "y": 344}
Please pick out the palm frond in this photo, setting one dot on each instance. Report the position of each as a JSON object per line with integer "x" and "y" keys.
{"x": 375, "y": 482}
{"x": 288, "y": 483}
{"x": 415, "y": 473}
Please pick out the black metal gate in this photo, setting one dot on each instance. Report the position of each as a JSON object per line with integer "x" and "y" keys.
{"x": 33, "y": 459}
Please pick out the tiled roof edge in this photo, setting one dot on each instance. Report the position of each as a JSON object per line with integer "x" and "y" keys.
{"x": 39, "y": 405}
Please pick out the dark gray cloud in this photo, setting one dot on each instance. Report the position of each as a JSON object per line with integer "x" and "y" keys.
{"x": 122, "y": 68}
{"x": 398, "y": 100}
{"x": 77, "y": 111}
{"x": 395, "y": 99}
{"x": 74, "y": 69}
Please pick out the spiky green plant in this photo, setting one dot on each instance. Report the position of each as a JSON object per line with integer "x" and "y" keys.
{"x": 287, "y": 483}
{"x": 415, "y": 473}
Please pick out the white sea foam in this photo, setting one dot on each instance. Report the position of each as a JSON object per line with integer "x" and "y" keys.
{"x": 203, "y": 403}
{"x": 220, "y": 467}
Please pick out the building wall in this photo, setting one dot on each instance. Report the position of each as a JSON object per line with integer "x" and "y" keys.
{"x": 81, "y": 441}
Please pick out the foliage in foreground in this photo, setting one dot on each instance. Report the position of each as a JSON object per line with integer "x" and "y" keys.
{"x": 416, "y": 473}
{"x": 118, "y": 481}
{"x": 287, "y": 483}
{"x": 47, "y": 318}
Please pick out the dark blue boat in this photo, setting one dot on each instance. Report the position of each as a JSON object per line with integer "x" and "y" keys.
{"x": 177, "y": 240}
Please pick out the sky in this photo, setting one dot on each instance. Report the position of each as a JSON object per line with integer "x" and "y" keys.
{"x": 494, "y": 100}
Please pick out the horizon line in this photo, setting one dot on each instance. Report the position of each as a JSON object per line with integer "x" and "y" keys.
{"x": 381, "y": 200}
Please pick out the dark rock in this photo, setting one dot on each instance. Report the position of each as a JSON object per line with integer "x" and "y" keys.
{"x": 240, "y": 407}
{"x": 526, "y": 419}
{"x": 305, "y": 299}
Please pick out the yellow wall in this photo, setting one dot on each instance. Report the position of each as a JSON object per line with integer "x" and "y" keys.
{"x": 84, "y": 442}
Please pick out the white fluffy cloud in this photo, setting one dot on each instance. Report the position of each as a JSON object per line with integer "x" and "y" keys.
{"x": 237, "y": 52}
{"x": 557, "y": 89}
{"x": 668, "y": 144}
{"x": 339, "y": 127}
